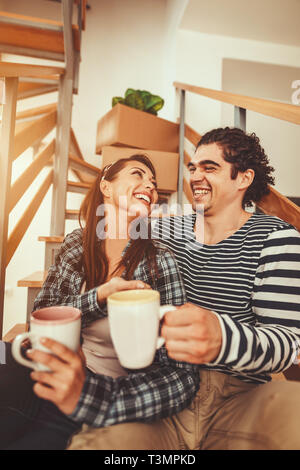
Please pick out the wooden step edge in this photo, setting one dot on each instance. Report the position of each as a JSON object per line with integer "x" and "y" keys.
{"x": 49, "y": 239}
{"x": 30, "y": 21}
{"x": 16, "y": 330}
{"x": 12, "y": 69}
{"x": 78, "y": 187}
{"x": 71, "y": 214}
{"x": 35, "y": 279}
{"x": 80, "y": 184}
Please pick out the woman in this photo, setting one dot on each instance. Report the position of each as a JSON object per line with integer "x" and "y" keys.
{"x": 42, "y": 410}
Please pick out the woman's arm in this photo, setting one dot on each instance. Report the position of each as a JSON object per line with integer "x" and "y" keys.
{"x": 164, "y": 388}
{"x": 65, "y": 279}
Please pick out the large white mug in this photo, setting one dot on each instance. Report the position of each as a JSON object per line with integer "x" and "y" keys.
{"x": 61, "y": 323}
{"x": 134, "y": 317}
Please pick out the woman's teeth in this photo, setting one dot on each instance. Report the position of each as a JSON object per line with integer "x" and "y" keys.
{"x": 143, "y": 196}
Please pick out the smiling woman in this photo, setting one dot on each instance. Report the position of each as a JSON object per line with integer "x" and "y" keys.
{"x": 42, "y": 410}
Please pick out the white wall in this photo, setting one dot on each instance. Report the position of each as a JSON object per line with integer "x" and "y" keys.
{"x": 199, "y": 62}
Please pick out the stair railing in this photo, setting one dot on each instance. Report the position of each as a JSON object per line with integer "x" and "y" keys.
{"x": 20, "y": 131}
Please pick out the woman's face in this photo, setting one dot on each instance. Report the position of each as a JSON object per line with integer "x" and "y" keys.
{"x": 133, "y": 190}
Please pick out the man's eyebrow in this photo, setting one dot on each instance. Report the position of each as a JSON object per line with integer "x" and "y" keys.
{"x": 203, "y": 162}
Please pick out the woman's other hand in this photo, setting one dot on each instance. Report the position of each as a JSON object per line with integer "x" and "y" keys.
{"x": 115, "y": 285}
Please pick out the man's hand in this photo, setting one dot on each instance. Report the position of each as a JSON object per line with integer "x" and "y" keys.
{"x": 117, "y": 284}
{"x": 192, "y": 334}
{"x": 63, "y": 385}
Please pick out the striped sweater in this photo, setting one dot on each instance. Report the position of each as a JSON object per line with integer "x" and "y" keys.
{"x": 252, "y": 281}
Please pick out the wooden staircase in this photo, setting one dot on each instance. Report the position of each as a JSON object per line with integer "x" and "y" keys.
{"x": 51, "y": 40}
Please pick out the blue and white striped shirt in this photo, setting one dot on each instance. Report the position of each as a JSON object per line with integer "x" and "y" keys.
{"x": 252, "y": 281}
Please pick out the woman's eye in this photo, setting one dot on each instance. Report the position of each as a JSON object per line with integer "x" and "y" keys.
{"x": 139, "y": 173}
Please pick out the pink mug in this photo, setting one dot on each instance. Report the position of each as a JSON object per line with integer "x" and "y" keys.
{"x": 61, "y": 323}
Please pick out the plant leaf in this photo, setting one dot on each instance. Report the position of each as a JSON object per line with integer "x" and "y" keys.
{"x": 135, "y": 100}
{"x": 116, "y": 100}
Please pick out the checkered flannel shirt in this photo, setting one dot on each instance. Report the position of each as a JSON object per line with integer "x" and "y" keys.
{"x": 164, "y": 388}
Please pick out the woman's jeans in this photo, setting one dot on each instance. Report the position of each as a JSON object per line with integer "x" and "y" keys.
{"x": 26, "y": 421}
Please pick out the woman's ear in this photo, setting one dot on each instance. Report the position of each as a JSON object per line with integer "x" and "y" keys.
{"x": 105, "y": 188}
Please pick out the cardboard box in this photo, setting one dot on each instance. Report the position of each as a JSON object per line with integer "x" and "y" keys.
{"x": 128, "y": 127}
{"x": 165, "y": 163}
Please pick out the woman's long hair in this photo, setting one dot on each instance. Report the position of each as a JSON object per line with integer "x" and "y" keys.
{"x": 95, "y": 262}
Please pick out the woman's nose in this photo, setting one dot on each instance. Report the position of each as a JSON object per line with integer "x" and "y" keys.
{"x": 150, "y": 185}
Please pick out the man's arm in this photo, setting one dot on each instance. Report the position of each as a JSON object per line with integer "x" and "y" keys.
{"x": 271, "y": 344}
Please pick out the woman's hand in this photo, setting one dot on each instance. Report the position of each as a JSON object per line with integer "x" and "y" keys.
{"x": 63, "y": 385}
{"x": 115, "y": 285}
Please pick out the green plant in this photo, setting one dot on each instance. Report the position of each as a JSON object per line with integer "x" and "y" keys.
{"x": 140, "y": 99}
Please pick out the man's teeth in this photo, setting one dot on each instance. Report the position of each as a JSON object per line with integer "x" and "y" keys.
{"x": 201, "y": 191}
{"x": 143, "y": 196}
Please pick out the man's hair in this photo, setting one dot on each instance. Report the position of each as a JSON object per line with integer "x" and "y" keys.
{"x": 244, "y": 152}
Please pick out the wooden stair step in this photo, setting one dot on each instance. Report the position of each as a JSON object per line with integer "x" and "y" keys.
{"x": 36, "y": 112}
{"x": 16, "y": 330}
{"x": 51, "y": 239}
{"x": 12, "y": 69}
{"x": 78, "y": 187}
{"x": 30, "y": 89}
{"x": 71, "y": 214}
{"x": 35, "y": 279}
{"x": 34, "y": 34}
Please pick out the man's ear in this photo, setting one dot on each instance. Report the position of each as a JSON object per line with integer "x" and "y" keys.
{"x": 105, "y": 188}
{"x": 246, "y": 178}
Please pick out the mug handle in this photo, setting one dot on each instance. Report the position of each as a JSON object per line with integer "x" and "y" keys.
{"x": 162, "y": 310}
{"x": 16, "y": 346}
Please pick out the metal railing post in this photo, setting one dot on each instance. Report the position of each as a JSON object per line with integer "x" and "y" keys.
{"x": 240, "y": 118}
{"x": 181, "y": 148}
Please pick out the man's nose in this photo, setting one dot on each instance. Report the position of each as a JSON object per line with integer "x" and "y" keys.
{"x": 197, "y": 175}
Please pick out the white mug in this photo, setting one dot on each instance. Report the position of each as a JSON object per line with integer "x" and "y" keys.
{"x": 134, "y": 317}
{"x": 61, "y": 323}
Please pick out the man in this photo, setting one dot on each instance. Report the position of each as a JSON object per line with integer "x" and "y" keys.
{"x": 242, "y": 320}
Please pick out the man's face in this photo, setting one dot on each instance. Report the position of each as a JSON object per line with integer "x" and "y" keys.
{"x": 211, "y": 182}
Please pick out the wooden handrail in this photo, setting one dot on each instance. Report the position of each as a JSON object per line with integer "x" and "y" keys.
{"x": 276, "y": 204}
{"x": 25, "y": 180}
{"x": 10, "y": 69}
{"x": 283, "y": 111}
{"x": 29, "y": 132}
{"x": 24, "y": 222}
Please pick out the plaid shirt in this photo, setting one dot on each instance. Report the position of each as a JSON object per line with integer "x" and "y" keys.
{"x": 164, "y": 388}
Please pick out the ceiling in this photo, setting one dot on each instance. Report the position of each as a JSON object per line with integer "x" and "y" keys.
{"x": 276, "y": 21}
